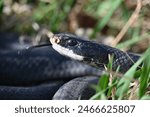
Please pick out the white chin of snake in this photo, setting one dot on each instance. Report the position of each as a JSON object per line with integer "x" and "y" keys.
{"x": 67, "y": 52}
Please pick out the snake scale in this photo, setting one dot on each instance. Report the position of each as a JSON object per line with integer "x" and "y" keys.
{"x": 43, "y": 73}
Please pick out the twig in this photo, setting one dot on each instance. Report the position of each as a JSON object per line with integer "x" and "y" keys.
{"x": 72, "y": 17}
{"x": 132, "y": 19}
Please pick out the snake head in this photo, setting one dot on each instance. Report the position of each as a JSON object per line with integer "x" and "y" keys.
{"x": 67, "y": 45}
{"x": 76, "y": 48}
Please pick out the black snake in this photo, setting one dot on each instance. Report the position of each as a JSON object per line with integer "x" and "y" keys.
{"x": 42, "y": 73}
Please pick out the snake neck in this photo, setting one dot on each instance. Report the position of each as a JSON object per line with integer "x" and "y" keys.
{"x": 123, "y": 60}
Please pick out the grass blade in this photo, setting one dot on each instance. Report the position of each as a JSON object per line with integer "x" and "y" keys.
{"x": 144, "y": 76}
{"x": 124, "y": 83}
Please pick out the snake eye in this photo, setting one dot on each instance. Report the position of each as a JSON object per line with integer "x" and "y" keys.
{"x": 71, "y": 42}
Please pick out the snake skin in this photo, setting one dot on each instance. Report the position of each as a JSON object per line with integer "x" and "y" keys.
{"x": 80, "y": 89}
{"x": 92, "y": 53}
{"x": 42, "y": 73}
{"x": 35, "y": 73}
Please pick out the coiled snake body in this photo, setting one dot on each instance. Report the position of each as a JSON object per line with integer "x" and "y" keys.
{"x": 39, "y": 73}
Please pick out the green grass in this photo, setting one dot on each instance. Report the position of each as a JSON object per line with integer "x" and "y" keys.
{"x": 54, "y": 14}
{"x": 102, "y": 23}
{"x": 119, "y": 88}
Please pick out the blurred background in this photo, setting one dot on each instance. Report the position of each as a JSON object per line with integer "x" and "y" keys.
{"x": 99, "y": 20}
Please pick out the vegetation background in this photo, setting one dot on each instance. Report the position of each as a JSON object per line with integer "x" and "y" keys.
{"x": 124, "y": 24}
